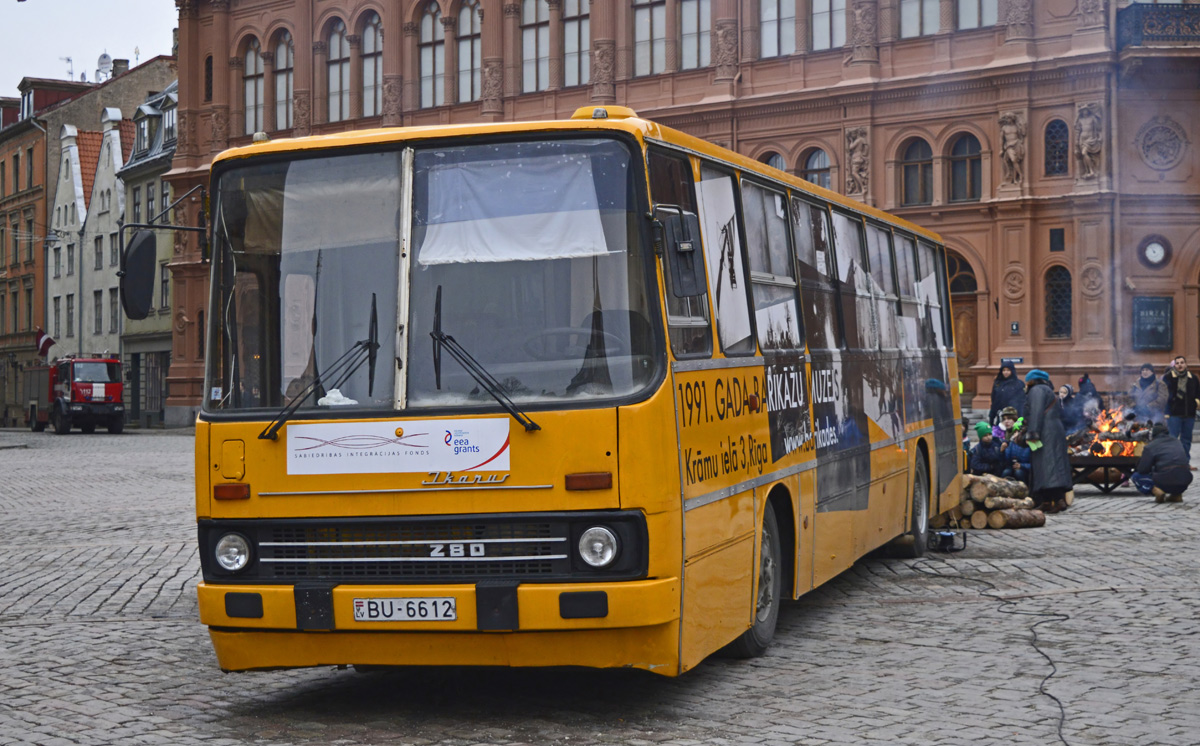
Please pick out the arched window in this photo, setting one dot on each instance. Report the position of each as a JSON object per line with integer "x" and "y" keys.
{"x": 816, "y": 168}
{"x": 372, "y": 66}
{"x": 252, "y": 87}
{"x": 774, "y": 160}
{"x": 917, "y": 187}
{"x": 1058, "y": 303}
{"x": 649, "y": 36}
{"x": 285, "y": 66}
{"x": 470, "y": 52}
{"x": 828, "y": 24}
{"x": 1058, "y": 148}
{"x": 338, "y": 67}
{"x": 535, "y": 45}
{"x": 919, "y": 17}
{"x": 577, "y": 42}
{"x": 962, "y": 277}
{"x": 777, "y": 24}
{"x": 965, "y": 169}
{"x": 696, "y": 27}
{"x": 433, "y": 57}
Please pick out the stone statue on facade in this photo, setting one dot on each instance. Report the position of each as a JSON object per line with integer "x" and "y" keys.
{"x": 1089, "y": 139}
{"x": 1012, "y": 147}
{"x": 858, "y": 152}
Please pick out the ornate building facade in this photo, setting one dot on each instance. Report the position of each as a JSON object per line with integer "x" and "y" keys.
{"x": 1047, "y": 142}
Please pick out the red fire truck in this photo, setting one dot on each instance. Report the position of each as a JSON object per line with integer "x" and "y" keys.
{"x": 76, "y": 391}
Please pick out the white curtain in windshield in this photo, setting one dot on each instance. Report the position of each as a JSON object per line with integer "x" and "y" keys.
{"x": 513, "y": 210}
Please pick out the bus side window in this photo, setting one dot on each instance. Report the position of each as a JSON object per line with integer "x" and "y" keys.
{"x": 906, "y": 273}
{"x": 947, "y": 314}
{"x": 772, "y": 269}
{"x": 929, "y": 288}
{"x": 688, "y": 326}
{"x": 810, "y": 233}
{"x": 883, "y": 283}
{"x": 858, "y": 308}
{"x": 723, "y": 254}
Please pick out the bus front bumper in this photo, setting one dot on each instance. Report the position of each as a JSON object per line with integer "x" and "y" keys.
{"x": 496, "y": 624}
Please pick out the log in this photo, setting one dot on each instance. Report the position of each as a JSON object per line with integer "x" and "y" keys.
{"x": 979, "y": 519}
{"x": 1009, "y": 518}
{"x": 956, "y": 513}
{"x": 965, "y": 522}
{"x": 1008, "y": 503}
{"x": 939, "y": 521}
{"x": 985, "y": 485}
{"x": 967, "y": 507}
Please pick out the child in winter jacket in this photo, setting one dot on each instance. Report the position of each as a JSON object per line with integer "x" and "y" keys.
{"x": 987, "y": 457}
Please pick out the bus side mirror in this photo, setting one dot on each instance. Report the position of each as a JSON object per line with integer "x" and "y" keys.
{"x": 685, "y": 255}
{"x": 138, "y": 265}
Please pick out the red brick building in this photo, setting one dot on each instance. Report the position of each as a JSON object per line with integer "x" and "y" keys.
{"x": 1049, "y": 143}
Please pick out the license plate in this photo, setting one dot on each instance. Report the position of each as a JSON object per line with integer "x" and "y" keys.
{"x": 405, "y": 609}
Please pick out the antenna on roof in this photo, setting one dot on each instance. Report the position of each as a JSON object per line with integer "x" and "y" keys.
{"x": 70, "y": 67}
{"x": 104, "y": 67}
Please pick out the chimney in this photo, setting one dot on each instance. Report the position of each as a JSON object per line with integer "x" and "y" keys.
{"x": 120, "y": 67}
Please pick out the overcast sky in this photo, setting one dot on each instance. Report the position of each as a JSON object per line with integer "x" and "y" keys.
{"x": 38, "y": 32}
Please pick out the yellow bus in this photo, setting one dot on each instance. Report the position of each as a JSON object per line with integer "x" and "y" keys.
{"x": 587, "y": 392}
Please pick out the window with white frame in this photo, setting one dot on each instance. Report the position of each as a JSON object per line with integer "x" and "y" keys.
{"x": 919, "y": 17}
{"x": 977, "y": 13}
{"x": 114, "y": 257}
{"x": 777, "y": 27}
{"x": 338, "y": 70}
{"x": 164, "y": 285}
{"x": 372, "y": 66}
{"x": 169, "y": 129}
{"x": 70, "y": 314}
{"x": 285, "y": 68}
{"x": 114, "y": 316}
{"x": 98, "y": 311}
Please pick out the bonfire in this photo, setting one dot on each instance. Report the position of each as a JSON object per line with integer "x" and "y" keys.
{"x": 1110, "y": 433}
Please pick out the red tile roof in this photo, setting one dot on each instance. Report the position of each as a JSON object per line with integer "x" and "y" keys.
{"x": 89, "y": 156}
{"x": 127, "y": 136}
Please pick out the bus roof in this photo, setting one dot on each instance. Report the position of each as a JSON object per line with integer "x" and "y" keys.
{"x": 617, "y": 118}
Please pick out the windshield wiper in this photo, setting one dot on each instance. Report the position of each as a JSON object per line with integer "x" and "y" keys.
{"x": 341, "y": 370}
{"x": 471, "y": 365}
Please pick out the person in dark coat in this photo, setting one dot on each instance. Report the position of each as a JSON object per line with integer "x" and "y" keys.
{"x": 1072, "y": 409}
{"x": 1183, "y": 394}
{"x": 1007, "y": 391}
{"x": 1047, "y": 439}
{"x": 1149, "y": 396}
{"x": 1163, "y": 469}
{"x": 987, "y": 457}
{"x": 1089, "y": 397}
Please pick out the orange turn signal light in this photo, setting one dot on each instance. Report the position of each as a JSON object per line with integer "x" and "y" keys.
{"x": 233, "y": 491}
{"x": 590, "y": 480}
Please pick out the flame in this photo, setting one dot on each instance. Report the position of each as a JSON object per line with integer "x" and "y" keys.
{"x": 1110, "y": 423}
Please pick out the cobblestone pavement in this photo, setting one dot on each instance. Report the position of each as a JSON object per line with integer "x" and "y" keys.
{"x": 99, "y": 642}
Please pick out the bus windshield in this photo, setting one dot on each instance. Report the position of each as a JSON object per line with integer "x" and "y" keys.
{"x": 533, "y": 248}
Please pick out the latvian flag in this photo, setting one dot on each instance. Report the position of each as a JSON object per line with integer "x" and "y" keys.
{"x": 44, "y": 342}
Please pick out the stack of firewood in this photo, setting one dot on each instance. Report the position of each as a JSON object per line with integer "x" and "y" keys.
{"x": 991, "y": 502}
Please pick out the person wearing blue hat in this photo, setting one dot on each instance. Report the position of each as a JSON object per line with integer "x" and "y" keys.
{"x": 1047, "y": 439}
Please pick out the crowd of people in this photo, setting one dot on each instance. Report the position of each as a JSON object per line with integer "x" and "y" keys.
{"x": 1025, "y": 437}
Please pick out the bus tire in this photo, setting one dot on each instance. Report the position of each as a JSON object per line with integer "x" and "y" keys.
{"x": 62, "y": 421}
{"x": 912, "y": 545}
{"x": 755, "y": 641}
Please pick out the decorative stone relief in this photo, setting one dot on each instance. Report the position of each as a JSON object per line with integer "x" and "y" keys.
{"x": 512, "y": 10}
{"x": 492, "y": 83}
{"x": 1162, "y": 143}
{"x": 182, "y": 137}
{"x": 1014, "y": 284}
{"x": 864, "y": 34}
{"x": 236, "y": 63}
{"x": 725, "y": 52}
{"x": 1089, "y": 138}
{"x": 1093, "y": 13}
{"x": 188, "y": 8}
{"x": 412, "y": 29}
{"x": 858, "y": 156}
{"x": 320, "y": 48}
{"x": 220, "y": 128}
{"x": 1092, "y": 280}
{"x": 220, "y": 6}
{"x": 393, "y": 86}
{"x": 1012, "y": 147}
{"x": 604, "y": 70}
{"x": 1018, "y": 20}
{"x": 301, "y": 114}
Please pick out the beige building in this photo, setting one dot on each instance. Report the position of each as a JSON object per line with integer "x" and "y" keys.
{"x": 1050, "y": 143}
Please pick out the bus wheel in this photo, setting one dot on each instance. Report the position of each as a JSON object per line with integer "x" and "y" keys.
{"x": 913, "y": 544}
{"x": 62, "y": 423}
{"x": 754, "y": 641}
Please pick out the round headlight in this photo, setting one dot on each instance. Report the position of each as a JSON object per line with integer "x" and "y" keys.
{"x": 233, "y": 552}
{"x": 598, "y": 546}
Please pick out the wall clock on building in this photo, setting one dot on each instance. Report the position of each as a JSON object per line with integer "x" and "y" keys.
{"x": 1154, "y": 252}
